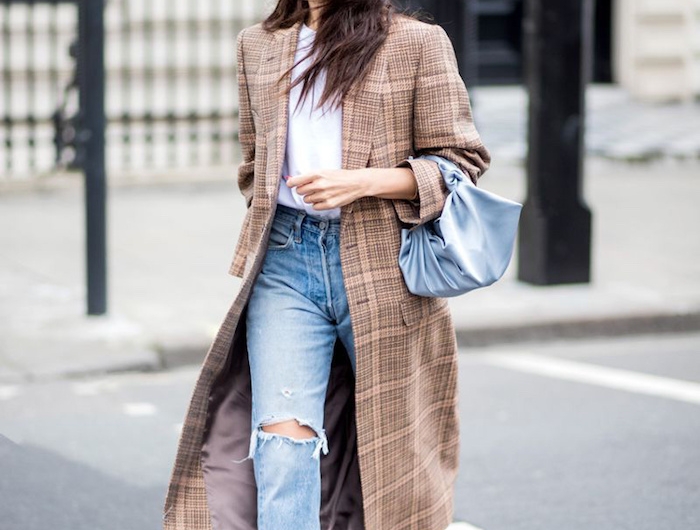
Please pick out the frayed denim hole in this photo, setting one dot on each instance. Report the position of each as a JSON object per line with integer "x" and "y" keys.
{"x": 258, "y": 437}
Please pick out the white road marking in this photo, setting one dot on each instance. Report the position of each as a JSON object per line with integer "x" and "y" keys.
{"x": 93, "y": 388}
{"x": 616, "y": 378}
{"x": 139, "y": 409}
{"x": 462, "y": 526}
{"x": 8, "y": 392}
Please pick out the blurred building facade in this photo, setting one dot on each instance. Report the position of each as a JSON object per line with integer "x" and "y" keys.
{"x": 657, "y": 50}
{"x": 171, "y": 95}
{"x": 171, "y": 80}
{"x": 649, "y": 47}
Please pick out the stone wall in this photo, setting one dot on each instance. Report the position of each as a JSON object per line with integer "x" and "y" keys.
{"x": 657, "y": 48}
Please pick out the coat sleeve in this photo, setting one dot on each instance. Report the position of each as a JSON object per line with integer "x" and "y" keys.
{"x": 442, "y": 126}
{"x": 246, "y": 127}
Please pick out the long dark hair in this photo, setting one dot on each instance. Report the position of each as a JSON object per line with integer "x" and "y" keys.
{"x": 349, "y": 35}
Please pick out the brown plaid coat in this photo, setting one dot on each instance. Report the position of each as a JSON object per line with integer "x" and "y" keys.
{"x": 393, "y": 431}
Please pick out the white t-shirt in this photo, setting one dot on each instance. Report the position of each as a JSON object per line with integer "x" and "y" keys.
{"x": 314, "y": 136}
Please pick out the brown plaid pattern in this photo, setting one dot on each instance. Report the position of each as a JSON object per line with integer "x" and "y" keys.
{"x": 412, "y": 102}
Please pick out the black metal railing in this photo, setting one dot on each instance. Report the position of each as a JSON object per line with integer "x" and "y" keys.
{"x": 35, "y": 66}
{"x": 171, "y": 82}
{"x": 171, "y": 95}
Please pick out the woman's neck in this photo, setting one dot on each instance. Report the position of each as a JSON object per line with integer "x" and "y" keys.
{"x": 314, "y": 14}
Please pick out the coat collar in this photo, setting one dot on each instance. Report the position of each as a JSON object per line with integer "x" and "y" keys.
{"x": 360, "y": 108}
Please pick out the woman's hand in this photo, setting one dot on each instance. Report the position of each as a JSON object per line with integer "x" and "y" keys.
{"x": 326, "y": 189}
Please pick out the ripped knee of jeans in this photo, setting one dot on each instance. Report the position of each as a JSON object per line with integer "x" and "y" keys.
{"x": 259, "y": 437}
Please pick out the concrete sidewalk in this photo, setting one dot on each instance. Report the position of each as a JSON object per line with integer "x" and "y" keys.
{"x": 617, "y": 127}
{"x": 170, "y": 247}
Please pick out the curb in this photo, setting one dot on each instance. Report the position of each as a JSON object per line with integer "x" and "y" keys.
{"x": 184, "y": 355}
{"x": 161, "y": 356}
{"x": 150, "y": 361}
{"x": 580, "y": 329}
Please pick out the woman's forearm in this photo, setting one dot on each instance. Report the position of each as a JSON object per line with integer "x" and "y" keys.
{"x": 390, "y": 183}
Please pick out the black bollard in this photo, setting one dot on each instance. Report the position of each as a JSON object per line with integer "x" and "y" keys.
{"x": 555, "y": 225}
{"x": 91, "y": 139}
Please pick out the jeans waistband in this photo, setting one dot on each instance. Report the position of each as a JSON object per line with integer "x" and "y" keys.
{"x": 305, "y": 221}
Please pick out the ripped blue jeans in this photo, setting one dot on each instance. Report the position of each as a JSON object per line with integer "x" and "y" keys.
{"x": 296, "y": 311}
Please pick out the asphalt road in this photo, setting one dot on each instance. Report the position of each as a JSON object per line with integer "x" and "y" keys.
{"x": 568, "y": 436}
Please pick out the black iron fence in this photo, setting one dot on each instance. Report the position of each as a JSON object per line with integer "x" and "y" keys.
{"x": 171, "y": 96}
{"x": 35, "y": 67}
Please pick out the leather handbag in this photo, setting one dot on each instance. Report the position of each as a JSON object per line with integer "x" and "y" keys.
{"x": 469, "y": 246}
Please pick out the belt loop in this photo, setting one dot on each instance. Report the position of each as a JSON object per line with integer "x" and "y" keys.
{"x": 297, "y": 226}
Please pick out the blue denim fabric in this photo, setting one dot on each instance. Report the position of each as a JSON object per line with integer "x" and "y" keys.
{"x": 296, "y": 311}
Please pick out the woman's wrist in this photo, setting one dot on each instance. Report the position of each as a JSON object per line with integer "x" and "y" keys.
{"x": 389, "y": 183}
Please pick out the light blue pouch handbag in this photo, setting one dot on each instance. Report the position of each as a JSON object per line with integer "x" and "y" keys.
{"x": 469, "y": 246}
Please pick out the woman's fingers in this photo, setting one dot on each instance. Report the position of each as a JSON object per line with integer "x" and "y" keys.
{"x": 301, "y": 180}
{"x": 321, "y": 201}
{"x": 312, "y": 184}
{"x": 308, "y": 198}
{"x": 325, "y": 189}
{"x": 305, "y": 185}
{"x": 308, "y": 188}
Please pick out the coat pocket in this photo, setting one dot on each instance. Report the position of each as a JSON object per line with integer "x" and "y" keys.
{"x": 416, "y": 308}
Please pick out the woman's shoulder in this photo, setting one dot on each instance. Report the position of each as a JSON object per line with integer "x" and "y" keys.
{"x": 406, "y": 30}
{"x": 252, "y": 41}
{"x": 253, "y": 34}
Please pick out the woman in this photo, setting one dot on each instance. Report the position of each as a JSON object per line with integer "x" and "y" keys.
{"x": 328, "y": 397}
